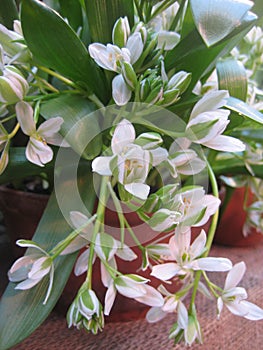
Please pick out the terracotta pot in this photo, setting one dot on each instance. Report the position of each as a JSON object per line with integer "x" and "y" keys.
{"x": 229, "y": 230}
{"x": 22, "y": 212}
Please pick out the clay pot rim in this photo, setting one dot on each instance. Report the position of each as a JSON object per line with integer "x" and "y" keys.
{"x": 6, "y": 189}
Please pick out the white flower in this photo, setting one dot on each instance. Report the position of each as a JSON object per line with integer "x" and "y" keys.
{"x": 189, "y": 207}
{"x": 29, "y": 270}
{"x": 37, "y": 150}
{"x": 183, "y": 160}
{"x": 234, "y": 298}
{"x": 188, "y": 257}
{"x": 132, "y": 286}
{"x": 130, "y": 162}
{"x": 207, "y": 123}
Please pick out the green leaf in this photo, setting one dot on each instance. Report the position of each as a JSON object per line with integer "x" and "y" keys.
{"x": 71, "y": 9}
{"x": 243, "y": 108}
{"x": 216, "y": 19}
{"x": 232, "y": 76}
{"x": 23, "y": 311}
{"x": 102, "y": 14}
{"x": 193, "y": 56}
{"x": 55, "y": 45}
{"x": 8, "y": 13}
{"x": 19, "y": 167}
{"x": 80, "y": 128}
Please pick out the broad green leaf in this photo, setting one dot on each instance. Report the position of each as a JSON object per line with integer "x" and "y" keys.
{"x": 19, "y": 167}
{"x": 102, "y": 14}
{"x": 23, "y": 311}
{"x": 192, "y": 54}
{"x": 244, "y": 109}
{"x": 233, "y": 166}
{"x": 55, "y": 44}
{"x": 80, "y": 128}
{"x": 216, "y": 19}
{"x": 71, "y": 9}
{"x": 8, "y": 13}
{"x": 232, "y": 77}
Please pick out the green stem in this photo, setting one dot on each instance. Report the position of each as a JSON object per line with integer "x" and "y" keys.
{"x": 99, "y": 221}
{"x": 14, "y": 131}
{"x": 136, "y": 240}
{"x": 210, "y": 235}
{"x": 58, "y": 76}
{"x": 58, "y": 249}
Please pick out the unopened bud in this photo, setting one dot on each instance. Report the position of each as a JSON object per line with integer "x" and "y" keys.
{"x": 121, "y": 32}
{"x": 129, "y": 75}
{"x": 13, "y": 86}
{"x": 180, "y": 81}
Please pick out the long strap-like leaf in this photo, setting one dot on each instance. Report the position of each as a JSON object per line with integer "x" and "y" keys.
{"x": 23, "y": 311}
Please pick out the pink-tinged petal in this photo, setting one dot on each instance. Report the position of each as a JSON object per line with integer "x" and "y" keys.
{"x": 40, "y": 268}
{"x": 109, "y": 299}
{"x": 106, "y": 277}
{"x": 135, "y": 46}
{"x": 101, "y": 165}
{"x": 125, "y": 253}
{"x": 226, "y": 144}
{"x": 155, "y": 314}
{"x": 58, "y": 140}
{"x": 28, "y": 283}
{"x": 120, "y": 91}
{"x": 198, "y": 245}
{"x": 210, "y": 264}
{"x": 255, "y": 313}
{"x": 81, "y": 265}
{"x": 152, "y": 297}
{"x": 139, "y": 190}
{"x": 78, "y": 243}
{"x": 80, "y": 220}
{"x": 166, "y": 271}
{"x": 32, "y": 156}
{"x": 25, "y": 117}
{"x": 210, "y": 101}
{"x": 50, "y": 127}
{"x": 38, "y": 152}
{"x": 123, "y": 135}
{"x": 19, "y": 270}
{"x": 235, "y": 275}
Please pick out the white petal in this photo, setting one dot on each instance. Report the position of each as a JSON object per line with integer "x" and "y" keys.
{"x": 165, "y": 271}
{"x": 158, "y": 155}
{"x": 38, "y": 270}
{"x": 77, "y": 243}
{"x": 50, "y": 127}
{"x": 109, "y": 299}
{"x": 210, "y": 101}
{"x": 81, "y": 265}
{"x": 198, "y": 246}
{"x": 138, "y": 190}
{"x": 155, "y": 314}
{"x": 106, "y": 277}
{"x": 255, "y": 313}
{"x": 237, "y": 308}
{"x": 28, "y": 283}
{"x": 135, "y": 46}
{"x": 19, "y": 270}
{"x": 38, "y": 152}
{"x": 152, "y": 297}
{"x": 120, "y": 91}
{"x": 101, "y": 165}
{"x": 182, "y": 315}
{"x": 123, "y": 135}
{"x": 226, "y": 144}
{"x": 235, "y": 275}
{"x": 101, "y": 54}
{"x": 220, "y": 305}
{"x": 167, "y": 40}
{"x": 210, "y": 264}
{"x": 182, "y": 239}
{"x": 24, "y": 114}
{"x": 126, "y": 253}
{"x": 170, "y": 304}
{"x": 128, "y": 287}
{"x": 78, "y": 220}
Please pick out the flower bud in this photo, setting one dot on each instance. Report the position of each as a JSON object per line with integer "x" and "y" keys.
{"x": 13, "y": 86}
{"x": 141, "y": 29}
{"x": 120, "y": 32}
{"x": 129, "y": 75}
{"x": 180, "y": 81}
{"x": 169, "y": 97}
{"x": 145, "y": 89}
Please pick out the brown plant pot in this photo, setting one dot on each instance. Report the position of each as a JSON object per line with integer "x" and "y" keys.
{"x": 229, "y": 230}
{"x": 22, "y": 212}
